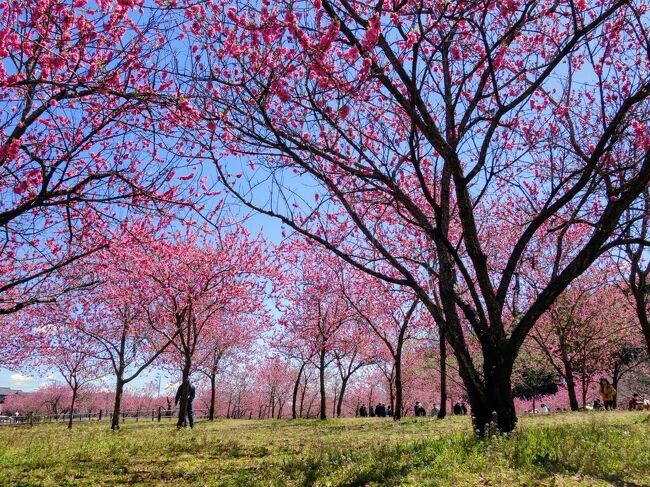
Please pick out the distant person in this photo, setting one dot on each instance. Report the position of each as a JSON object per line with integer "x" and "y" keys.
{"x": 378, "y": 410}
{"x": 463, "y": 408}
{"x": 190, "y": 399}
{"x": 544, "y": 409}
{"x": 597, "y": 404}
{"x": 363, "y": 412}
{"x": 458, "y": 409}
{"x": 419, "y": 410}
{"x": 607, "y": 393}
{"x": 634, "y": 402}
{"x": 435, "y": 410}
{"x": 389, "y": 412}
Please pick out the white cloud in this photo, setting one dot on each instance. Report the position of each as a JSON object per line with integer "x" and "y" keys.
{"x": 20, "y": 379}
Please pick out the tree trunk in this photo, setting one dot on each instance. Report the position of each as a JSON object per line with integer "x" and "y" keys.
{"x": 74, "y": 399}
{"x": 339, "y": 404}
{"x": 213, "y": 395}
{"x": 296, "y": 386}
{"x": 642, "y": 313}
{"x": 570, "y": 385}
{"x": 615, "y": 378}
{"x": 397, "y": 410}
{"x": 321, "y": 370}
{"x": 119, "y": 391}
{"x": 585, "y": 387}
{"x": 443, "y": 375}
{"x": 492, "y": 403}
{"x": 302, "y": 397}
{"x": 534, "y": 397}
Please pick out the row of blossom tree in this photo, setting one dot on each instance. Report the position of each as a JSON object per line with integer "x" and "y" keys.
{"x": 474, "y": 160}
{"x": 200, "y": 309}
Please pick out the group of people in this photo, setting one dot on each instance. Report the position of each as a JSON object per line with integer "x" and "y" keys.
{"x": 607, "y": 398}
{"x": 460, "y": 408}
{"x": 383, "y": 411}
{"x": 379, "y": 411}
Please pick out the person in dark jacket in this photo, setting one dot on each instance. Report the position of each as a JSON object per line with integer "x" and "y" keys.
{"x": 458, "y": 409}
{"x": 190, "y": 398}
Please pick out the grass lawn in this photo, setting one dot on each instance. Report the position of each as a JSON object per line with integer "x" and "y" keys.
{"x": 560, "y": 449}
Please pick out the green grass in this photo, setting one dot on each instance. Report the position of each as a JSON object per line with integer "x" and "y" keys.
{"x": 555, "y": 450}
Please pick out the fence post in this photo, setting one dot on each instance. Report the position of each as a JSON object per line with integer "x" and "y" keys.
{"x": 137, "y": 415}
{"x": 152, "y": 414}
{"x": 100, "y": 414}
{"x": 159, "y": 413}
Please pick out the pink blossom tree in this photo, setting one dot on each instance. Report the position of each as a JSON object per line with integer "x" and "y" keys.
{"x": 198, "y": 280}
{"x": 486, "y": 129}
{"x": 83, "y": 113}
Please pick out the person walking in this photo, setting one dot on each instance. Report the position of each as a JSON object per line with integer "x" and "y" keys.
{"x": 190, "y": 398}
{"x": 607, "y": 393}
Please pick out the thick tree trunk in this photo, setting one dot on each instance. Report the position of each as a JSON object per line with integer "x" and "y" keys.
{"x": 213, "y": 395}
{"x": 185, "y": 392}
{"x": 443, "y": 375}
{"x": 296, "y": 386}
{"x": 117, "y": 406}
{"x": 570, "y": 386}
{"x": 493, "y": 403}
{"x": 321, "y": 370}
{"x": 339, "y": 403}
